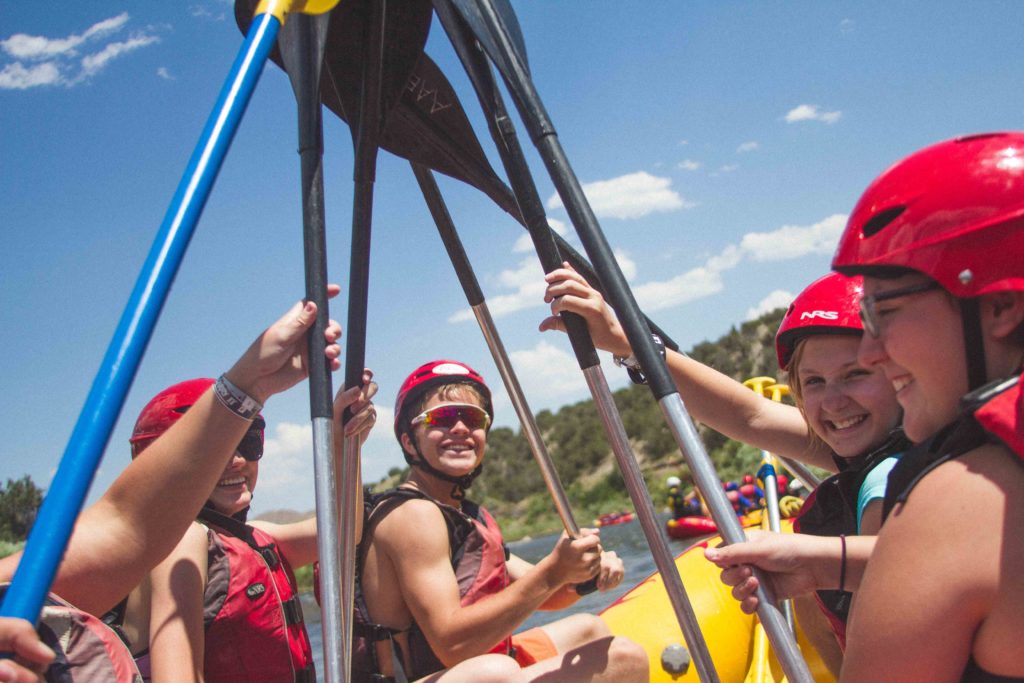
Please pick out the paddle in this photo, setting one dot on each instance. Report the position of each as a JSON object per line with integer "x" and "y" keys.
{"x": 475, "y": 297}
{"x": 89, "y": 438}
{"x": 428, "y": 126}
{"x": 766, "y": 473}
{"x": 493, "y": 22}
{"x": 533, "y": 214}
{"x": 302, "y": 45}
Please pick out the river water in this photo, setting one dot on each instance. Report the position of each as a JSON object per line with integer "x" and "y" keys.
{"x": 627, "y": 540}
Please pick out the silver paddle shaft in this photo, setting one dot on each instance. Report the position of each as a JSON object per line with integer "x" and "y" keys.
{"x": 526, "y": 419}
{"x": 653, "y": 529}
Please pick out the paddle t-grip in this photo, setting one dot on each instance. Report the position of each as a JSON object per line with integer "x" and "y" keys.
{"x": 587, "y": 587}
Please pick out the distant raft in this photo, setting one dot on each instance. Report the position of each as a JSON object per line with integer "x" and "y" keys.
{"x": 736, "y": 641}
{"x": 695, "y": 526}
{"x": 612, "y": 518}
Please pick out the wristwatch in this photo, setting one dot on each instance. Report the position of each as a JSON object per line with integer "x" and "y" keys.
{"x": 632, "y": 365}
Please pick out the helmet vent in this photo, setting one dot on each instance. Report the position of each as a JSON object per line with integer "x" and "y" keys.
{"x": 880, "y": 220}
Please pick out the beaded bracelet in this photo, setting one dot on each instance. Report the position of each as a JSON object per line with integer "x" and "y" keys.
{"x": 236, "y": 400}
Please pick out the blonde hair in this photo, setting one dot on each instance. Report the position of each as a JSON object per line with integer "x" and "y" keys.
{"x": 796, "y": 391}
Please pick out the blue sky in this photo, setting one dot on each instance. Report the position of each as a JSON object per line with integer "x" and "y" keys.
{"x": 722, "y": 145}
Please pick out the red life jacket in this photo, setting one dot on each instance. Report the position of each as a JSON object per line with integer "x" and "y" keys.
{"x": 254, "y": 626}
{"x": 1002, "y": 415}
{"x": 87, "y": 649}
{"x": 478, "y": 560}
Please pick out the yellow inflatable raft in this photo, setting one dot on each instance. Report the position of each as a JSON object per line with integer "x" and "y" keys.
{"x": 736, "y": 641}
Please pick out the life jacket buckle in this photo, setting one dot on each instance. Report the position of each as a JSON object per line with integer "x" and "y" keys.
{"x": 269, "y": 554}
{"x": 293, "y": 611}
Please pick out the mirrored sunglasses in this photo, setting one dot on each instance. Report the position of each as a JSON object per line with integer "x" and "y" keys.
{"x": 447, "y": 416}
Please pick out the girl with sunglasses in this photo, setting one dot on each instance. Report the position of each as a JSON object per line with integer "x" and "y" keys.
{"x": 938, "y": 238}
{"x": 139, "y": 519}
{"x": 846, "y": 419}
{"x": 435, "y": 582}
{"x": 223, "y": 605}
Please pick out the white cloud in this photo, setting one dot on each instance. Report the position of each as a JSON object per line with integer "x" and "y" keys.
{"x": 548, "y": 372}
{"x": 847, "y": 26}
{"x": 684, "y": 143}
{"x": 794, "y": 241}
{"x": 163, "y": 73}
{"x": 629, "y": 196}
{"x": 694, "y": 284}
{"x": 779, "y": 298}
{"x": 525, "y": 245}
{"x": 16, "y": 77}
{"x": 94, "y": 63}
{"x": 626, "y": 264}
{"x": 787, "y": 242}
{"x": 527, "y": 281}
{"x": 287, "y": 464}
{"x": 688, "y": 165}
{"x": 528, "y": 284}
{"x": 23, "y": 46}
{"x": 747, "y": 147}
{"x": 728, "y": 168}
{"x": 211, "y": 11}
{"x": 59, "y": 62}
{"x": 287, "y": 475}
{"x": 811, "y": 112}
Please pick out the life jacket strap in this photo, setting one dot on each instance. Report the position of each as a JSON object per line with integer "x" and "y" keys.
{"x": 306, "y": 674}
{"x": 292, "y": 610}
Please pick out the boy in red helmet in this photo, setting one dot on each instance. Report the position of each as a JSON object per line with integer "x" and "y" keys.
{"x": 939, "y": 239}
{"x": 436, "y": 584}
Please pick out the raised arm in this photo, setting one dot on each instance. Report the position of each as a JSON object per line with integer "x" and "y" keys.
{"x": 297, "y": 541}
{"x": 147, "y": 509}
{"x": 715, "y": 399}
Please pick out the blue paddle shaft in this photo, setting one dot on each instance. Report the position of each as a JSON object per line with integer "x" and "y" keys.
{"x": 81, "y": 458}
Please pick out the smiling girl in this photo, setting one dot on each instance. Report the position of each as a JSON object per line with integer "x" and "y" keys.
{"x": 939, "y": 238}
{"x": 846, "y": 419}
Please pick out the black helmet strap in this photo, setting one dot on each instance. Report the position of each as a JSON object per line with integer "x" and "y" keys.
{"x": 461, "y": 483}
{"x": 974, "y": 345}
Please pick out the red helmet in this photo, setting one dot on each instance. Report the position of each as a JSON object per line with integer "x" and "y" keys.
{"x": 829, "y": 305}
{"x": 434, "y": 374}
{"x": 953, "y": 211}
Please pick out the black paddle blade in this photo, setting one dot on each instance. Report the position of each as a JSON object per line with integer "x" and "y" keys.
{"x": 407, "y": 26}
{"x": 430, "y": 128}
{"x": 472, "y": 12}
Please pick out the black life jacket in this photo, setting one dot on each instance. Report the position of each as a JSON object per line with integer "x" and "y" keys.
{"x": 831, "y": 510}
{"x": 993, "y": 413}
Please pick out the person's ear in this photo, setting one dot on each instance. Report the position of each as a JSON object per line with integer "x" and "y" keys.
{"x": 1003, "y": 313}
{"x": 407, "y": 444}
